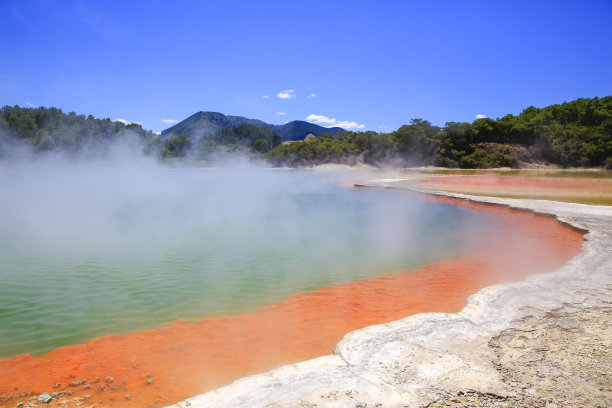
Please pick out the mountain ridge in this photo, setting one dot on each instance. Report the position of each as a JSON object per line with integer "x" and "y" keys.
{"x": 204, "y": 123}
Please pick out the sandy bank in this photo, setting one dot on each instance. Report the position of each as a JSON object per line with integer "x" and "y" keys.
{"x": 544, "y": 341}
{"x": 568, "y": 189}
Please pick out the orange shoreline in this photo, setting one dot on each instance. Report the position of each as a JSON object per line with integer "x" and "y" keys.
{"x": 154, "y": 368}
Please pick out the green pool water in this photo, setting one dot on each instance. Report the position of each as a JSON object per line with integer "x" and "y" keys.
{"x": 88, "y": 250}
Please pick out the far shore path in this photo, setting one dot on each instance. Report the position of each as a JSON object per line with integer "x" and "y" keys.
{"x": 585, "y": 188}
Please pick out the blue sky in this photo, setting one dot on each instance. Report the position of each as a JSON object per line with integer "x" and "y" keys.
{"x": 369, "y": 65}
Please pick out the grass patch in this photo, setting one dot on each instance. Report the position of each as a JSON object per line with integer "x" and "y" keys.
{"x": 503, "y": 172}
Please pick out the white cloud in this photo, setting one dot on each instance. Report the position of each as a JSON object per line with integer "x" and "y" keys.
{"x": 30, "y": 105}
{"x": 320, "y": 120}
{"x": 350, "y": 125}
{"x": 481, "y": 116}
{"x": 311, "y": 96}
{"x": 280, "y": 113}
{"x": 331, "y": 122}
{"x": 169, "y": 121}
{"x": 266, "y": 96}
{"x": 288, "y": 94}
{"x": 157, "y": 133}
{"x": 126, "y": 122}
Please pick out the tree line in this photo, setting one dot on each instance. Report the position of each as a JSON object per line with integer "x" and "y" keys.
{"x": 572, "y": 134}
{"x": 244, "y": 139}
{"x": 49, "y": 129}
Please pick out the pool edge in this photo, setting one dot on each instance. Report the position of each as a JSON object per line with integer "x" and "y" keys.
{"x": 416, "y": 360}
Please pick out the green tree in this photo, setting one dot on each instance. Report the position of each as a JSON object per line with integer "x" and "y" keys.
{"x": 177, "y": 146}
{"x": 261, "y": 145}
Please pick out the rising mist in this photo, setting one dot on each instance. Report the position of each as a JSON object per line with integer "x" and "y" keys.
{"x": 96, "y": 245}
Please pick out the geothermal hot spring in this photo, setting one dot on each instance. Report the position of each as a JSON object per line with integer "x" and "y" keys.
{"x": 205, "y": 275}
{"x": 87, "y": 251}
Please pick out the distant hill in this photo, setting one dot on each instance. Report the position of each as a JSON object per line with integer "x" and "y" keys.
{"x": 203, "y": 124}
{"x": 299, "y": 129}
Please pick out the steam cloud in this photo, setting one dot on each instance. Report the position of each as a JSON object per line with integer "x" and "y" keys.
{"x": 76, "y": 232}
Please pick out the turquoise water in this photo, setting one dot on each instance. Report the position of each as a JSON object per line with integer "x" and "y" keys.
{"x": 88, "y": 250}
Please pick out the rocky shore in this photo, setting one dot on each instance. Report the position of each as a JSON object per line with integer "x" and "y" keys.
{"x": 542, "y": 342}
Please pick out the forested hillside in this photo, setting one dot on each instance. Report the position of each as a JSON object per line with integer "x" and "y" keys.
{"x": 243, "y": 139}
{"x": 202, "y": 124}
{"x": 573, "y": 134}
{"x": 47, "y": 129}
